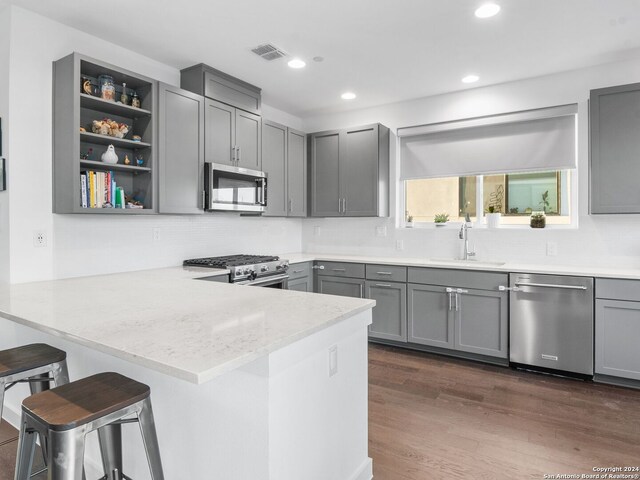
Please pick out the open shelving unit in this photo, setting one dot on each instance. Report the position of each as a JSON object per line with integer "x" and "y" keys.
{"x": 73, "y": 109}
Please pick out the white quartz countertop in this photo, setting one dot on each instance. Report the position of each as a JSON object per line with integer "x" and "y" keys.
{"x": 167, "y": 320}
{"x": 551, "y": 269}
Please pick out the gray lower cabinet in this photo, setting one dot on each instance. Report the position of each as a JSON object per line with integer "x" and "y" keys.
{"x": 390, "y": 313}
{"x": 429, "y": 319}
{"x": 180, "y": 150}
{"x": 345, "y": 287}
{"x": 232, "y": 136}
{"x": 349, "y": 174}
{"x": 300, "y": 277}
{"x": 284, "y": 160}
{"x": 455, "y": 316}
{"x": 617, "y": 328}
{"x": 614, "y": 123}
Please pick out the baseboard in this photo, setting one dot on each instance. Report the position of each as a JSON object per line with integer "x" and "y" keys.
{"x": 93, "y": 468}
{"x": 365, "y": 472}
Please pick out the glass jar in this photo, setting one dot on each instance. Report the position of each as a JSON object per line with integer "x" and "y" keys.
{"x": 107, "y": 89}
{"x": 124, "y": 98}
{"x": 135, "y": 100}
{"x": 538, "y": 220}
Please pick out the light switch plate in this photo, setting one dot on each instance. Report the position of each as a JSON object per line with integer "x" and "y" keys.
{"x": 381, "y": 231}
{"x": 399, "y": 245}
{"x": 552, "y": 249}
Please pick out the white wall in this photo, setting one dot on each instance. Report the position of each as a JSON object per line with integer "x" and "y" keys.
{"x": 601, "y": 240}
{"x": 81, "y": 245}
{"x": 5, "y": 34}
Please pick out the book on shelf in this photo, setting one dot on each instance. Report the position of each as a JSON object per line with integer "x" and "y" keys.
{"x": 100, "y": 190}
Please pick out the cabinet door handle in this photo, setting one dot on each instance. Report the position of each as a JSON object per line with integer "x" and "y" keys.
{"x": 457, "y": 302}
{"x": 449, "y": 293}
{"x": 233, "y": 155}
{"x": 318, "y": 267}
{"x": 339, "y": 205}
{"x": 239, "y": 157}
{"x": 361, "y": 290}
{"x": 345, "y": 205}
{"x": 290, "y": 205}
{"x": 385, "y": 285}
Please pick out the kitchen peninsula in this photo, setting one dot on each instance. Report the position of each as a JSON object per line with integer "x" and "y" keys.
{"x": 246, "y": 382}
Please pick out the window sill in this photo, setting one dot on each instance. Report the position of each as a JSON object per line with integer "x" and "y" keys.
{"x": 481, "y": 226}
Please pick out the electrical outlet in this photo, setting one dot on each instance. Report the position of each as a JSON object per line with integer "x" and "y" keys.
{"x": 552, "y": 249}
{"x": 399, "y": 245}
{"x": 381, "y": 231}
{"x": 39, "y": 239}
{"x": 156, "y": 234}
{"x": 333, "y": 360}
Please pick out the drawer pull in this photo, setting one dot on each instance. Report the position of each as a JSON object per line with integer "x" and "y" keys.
{"x": 339, "y": 269}
{"x": 298, "y": 271}
{"x": 385, "y": 285}
{"x": 384, "y": 273}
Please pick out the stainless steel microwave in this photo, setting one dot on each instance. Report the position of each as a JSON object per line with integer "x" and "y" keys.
{"x": 234, "y": 189}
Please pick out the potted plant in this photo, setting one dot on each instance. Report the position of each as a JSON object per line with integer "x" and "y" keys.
{"x": 493, "y": 217}
{"x": 539, "y": 219}
{"x": 409, "y": 221}
{"x": 441, "y": 219}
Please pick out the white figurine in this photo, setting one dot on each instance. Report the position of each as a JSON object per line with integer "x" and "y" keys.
{"x": 110, "y": 156}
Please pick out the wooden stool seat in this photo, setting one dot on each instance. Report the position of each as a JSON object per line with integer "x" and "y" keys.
{"x": 28, "y": 357}
{"x": 81, "y": 402}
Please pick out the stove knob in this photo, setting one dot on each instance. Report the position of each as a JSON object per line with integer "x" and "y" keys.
{"x": 264, "y": 268}
{"x": 247, "y": 271}
{"x": 282, "y": 266}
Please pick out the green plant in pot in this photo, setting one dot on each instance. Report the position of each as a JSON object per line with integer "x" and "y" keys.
{"x": 409, "y": 221}
{"x": 440, "y": 219}
{"x": 493, "y": 217}
{"x": 539, "y": 219}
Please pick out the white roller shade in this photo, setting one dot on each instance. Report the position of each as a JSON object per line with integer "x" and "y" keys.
{"x": 519, "y": 142}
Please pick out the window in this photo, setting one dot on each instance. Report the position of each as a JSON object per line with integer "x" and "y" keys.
{"x": 514, "y": 195}
{"x": 515, "y": 164}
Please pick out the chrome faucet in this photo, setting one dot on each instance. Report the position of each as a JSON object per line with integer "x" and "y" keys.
{"x": 464, "y": 235}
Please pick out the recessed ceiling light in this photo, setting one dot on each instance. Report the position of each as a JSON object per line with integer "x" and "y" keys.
{"x": 296, "y": 63}
{"x": 348, "y": 96}
{"x": 487, "y": 10}
{"x": 470, "y": 79}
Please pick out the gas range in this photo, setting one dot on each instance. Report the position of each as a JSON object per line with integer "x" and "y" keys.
{"x": 246, "y": 269}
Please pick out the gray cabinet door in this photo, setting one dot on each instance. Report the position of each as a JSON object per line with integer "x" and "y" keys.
{"x": 296, "y": 173}
{"x": 274, "y": 163}
{"x": 481, "y": 323}
{"x": 220, "y": 126}
{"x": 614, "y": 125}
{"x": 617, "y": 333}
{"x": 181, "y": 150}
{"x": 345, "y": 287}
{"x": 248, "y": 140}
{"x": 430, "y": 319}
{"x": 325, "y": 174}
{"x": 390, "y": 312}
{"x": 359, "y": 171}
{"x": 303, "y": 284}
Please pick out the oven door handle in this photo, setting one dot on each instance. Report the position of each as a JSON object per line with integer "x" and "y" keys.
{"x": 262, "y": 281}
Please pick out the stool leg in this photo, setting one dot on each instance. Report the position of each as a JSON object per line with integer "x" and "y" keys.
{"x": 66, "y": 455}
{"x": 60, "y": 373}
{"x": 150, "y": 440}
{"x": 37, "y": 387}
{"x": 110, "y": 438}
{"x": 1, "y": 398}
{"x": 26, "y": 448}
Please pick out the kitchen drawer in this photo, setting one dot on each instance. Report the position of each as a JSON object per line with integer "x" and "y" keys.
{"x": 616, "y": 289}
{"x": 388, "y": 273}
{"x": 458, "y": 278}
{"x": 299, "y": 270}
{"x": 340, "y": 269}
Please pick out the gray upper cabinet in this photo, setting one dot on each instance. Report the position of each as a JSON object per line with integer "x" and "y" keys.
{"x": 326, "y": 199}
{"x": 284, "y": 160}
{"x": 209, "y": 82}
{"x": 614, "y": 115}
{"x": 389, "y": 320}
{"x": 181, "y": 150}
{"x": 350, "y": 172}
{"x": 248, "y": 140}
{"x": 220, "y": 127}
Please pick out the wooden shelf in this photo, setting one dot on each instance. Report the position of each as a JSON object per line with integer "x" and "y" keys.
{"x": 120, "y": 167}
{"x": 105, "y": 106}
{"x": 107, "y": 140}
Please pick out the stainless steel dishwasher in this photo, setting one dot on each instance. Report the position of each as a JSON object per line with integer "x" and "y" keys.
{"x": 551, "y": 322}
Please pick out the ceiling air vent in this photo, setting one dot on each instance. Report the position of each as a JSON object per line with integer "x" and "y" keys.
{"x": 269, "y": 51}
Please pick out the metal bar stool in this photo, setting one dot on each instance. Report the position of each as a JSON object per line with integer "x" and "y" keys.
{"x": 64, "y": 415}
{"x": 32, "y": 364}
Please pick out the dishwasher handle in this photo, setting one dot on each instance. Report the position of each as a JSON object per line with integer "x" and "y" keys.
{"x": 551, "y": 285}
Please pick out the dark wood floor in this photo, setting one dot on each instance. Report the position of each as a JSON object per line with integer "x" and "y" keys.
{"x": 8, "y": 448}
{"x": 437, "y": 418}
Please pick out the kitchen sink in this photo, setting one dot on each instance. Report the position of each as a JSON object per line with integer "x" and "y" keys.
{"x": 465, "y": 263}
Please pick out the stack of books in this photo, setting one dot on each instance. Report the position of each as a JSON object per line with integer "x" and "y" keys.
{"x": 99, "y": 190}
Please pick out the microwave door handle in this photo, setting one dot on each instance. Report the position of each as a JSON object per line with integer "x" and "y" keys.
{"x": 261, "y": 191}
